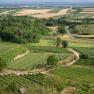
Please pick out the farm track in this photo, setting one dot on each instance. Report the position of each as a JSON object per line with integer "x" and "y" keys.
{"x": 42, "y": 70}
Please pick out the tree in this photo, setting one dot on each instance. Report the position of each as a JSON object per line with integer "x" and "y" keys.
{"x": 52, "y": 60}
{"x": 61, "y": 30}
{"x": 58, "y": 42}
{"x": 2, "y": 64}
{"x": 64, "y": 44}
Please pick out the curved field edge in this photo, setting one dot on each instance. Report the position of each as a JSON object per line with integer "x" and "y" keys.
{"x": 37, "y": 58}
{"x": 8, "y": 51}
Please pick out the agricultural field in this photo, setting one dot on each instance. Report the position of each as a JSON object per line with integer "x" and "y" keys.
{"x": 37, "y": 56}
{"x": 86, "y": 51}
{"x": 8, "y": 51}
{"x": 84, "y": 30}
{"x": 73, "y": 76}
{"x": 77, "y": 15}
{"x": 44, "y": 42}
{"x": 33, "y": 61}
{"x": 42, "y": 13}
{"x": 81, "y": 13}
{"x": 31, "y": 83}
{"x": 87, "y": 56}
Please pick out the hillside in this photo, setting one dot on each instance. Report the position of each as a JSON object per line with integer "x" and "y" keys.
{"x": 46, "y": 56}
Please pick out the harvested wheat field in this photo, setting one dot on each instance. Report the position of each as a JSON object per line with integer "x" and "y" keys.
{"x": 49, "y": 15}
{"x": 41, "y": 13}
{"x": 88, "y": 9}
{"x": 25, "y": 12}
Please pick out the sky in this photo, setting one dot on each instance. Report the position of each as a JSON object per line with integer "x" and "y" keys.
{"x": 30, "y": 1}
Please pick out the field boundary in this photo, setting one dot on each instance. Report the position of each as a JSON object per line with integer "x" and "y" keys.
{"x": 20, "y": 56}
{"x": 41, "y": 70}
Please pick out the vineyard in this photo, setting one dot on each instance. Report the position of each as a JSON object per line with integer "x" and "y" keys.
{"x": 38, "y": 58}
{"x": 86, "y": 51}
{"x": 48, "y": 49}
{"x": 35, "y": 60}
{"x": 32, "y": 84}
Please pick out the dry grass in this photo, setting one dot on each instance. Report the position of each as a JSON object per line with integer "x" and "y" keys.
{"x": 88, "y": 9}
{"x": 49, "y": 15}
{"x": 25, "y": 12}
{"x": 41, "y": 13}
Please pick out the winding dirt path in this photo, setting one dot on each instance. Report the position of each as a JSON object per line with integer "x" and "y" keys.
{"x": 42, "y": 70}
{"x": 76, "y": 54}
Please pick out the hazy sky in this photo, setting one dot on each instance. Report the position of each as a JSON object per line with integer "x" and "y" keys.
{"x": 23, "y": 1}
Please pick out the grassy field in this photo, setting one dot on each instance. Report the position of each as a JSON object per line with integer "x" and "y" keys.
{"x": 76, "y": 76}
{"x": 44, "y": 42}
{"x": 76, "y": 15}
{"x": 88, "y": 60}
{"x": 75, "y": 73}
{"x": 37, "y": 58}
{"x": 72, "y": 43}
{"x": 82, "y": 44}
{"x": 32, "y": 60}
{"x": 86, "y": 51}
{"x": 9, "y": 50}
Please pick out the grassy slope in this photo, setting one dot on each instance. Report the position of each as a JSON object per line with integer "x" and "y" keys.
{"x": 9, "y": 50}
{"x": 29, "y": 61}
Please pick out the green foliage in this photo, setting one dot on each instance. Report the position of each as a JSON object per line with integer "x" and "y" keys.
{"x": 75, "y": 73}
{"x": 52, "y": 60}
{"x": 58, "y": 42}
{"x": 2, "y": 64}
{"x": 65, "y": 44}
{"x": 8, "y": 51}
{"x": 86, "y": 56}
{"x": 88, "y": 51}
{"x": 21, "y": 29}
{"x": 48, "y": 49}
{"x": 10, "y": 84}
{"x": 61, "y": 30}
{"x": 12, "y": 87}
{"x": 32, "y": 60}
{"x": 83, "y": 29}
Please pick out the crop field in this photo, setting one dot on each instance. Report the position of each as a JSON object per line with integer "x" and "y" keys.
{"x": 77, "y": 15}
{"x": 86, "y": 51}
{"x": 56, "y": 10}
{"x": 82, "y": 13}
{"x": 24, "y": 12}
{"x": 48, "y": 49}
{"x": 42, "y": 13}
{"x": 75, "y": 73}
{"x": 44, "y": 42}
{"x": 84, "y": 29}
{"x": 88, "y": 9}
{"x": 88, "y": 61}
{"x": 42, "y": 58}
{"x": 30, "y": 61}
{"x": 31, "y": 83}
{"x": 34, "y": 60}
{"x": 8, "y": 51}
